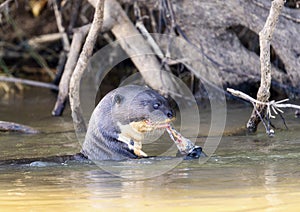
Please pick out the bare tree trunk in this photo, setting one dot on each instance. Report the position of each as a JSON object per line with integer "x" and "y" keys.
{"x": 265, "y": 37}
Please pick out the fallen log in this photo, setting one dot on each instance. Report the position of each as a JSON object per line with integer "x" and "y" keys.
{"x": 14, "y": 127}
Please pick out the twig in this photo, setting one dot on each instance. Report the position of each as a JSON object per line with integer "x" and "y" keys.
{"x": 81, "y": 65}
{"x": 60, "y": 67}
{"x": 38, "y": 40}
{"x": 265, "y": 36}
{"x": 74, "y": 14}
{"x": 141, "y": 27}
{"x": 153, "y": 22}
{"x": 268, "y": 130}
{"x": 4, "y": 5}
{"x": 275, "y": 104}
{"x": 169, "y": 16}
{"x": 61, "y": 29}
{"x": 28, "y": 82}
{"x": 283, "y": 120}
{"x": 172, "y": 14}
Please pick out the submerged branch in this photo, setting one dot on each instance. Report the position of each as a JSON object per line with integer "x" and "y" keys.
{"x": 14, "y": 127}
{"x": 270, "y": 106}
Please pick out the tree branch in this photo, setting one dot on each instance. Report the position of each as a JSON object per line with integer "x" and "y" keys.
{"x": 28, "y": 82}
{"x": 86, "y": 52}
{"x": 61, "y": 29}
{"x": 78, "y": 39}
{"x": 136, "y": 47}
{"x": 274, "y": 105}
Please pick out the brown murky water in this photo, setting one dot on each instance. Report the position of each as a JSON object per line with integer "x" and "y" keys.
{"x": 246, "y": 173}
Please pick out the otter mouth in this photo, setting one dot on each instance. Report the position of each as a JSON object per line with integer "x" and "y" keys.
{"x": 147, "y": 125}
{"x": 134, "y": 133}
{"x": 158, "y": 124}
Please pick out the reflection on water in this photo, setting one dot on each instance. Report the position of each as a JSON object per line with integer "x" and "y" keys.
{"x": 247, "y": 173}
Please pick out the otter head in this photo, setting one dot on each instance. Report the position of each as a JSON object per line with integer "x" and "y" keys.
{"x": 139, "y": 110}
{"x": 136, "y": 112}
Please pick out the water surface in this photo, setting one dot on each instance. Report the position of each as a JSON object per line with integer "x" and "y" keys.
{"x": 246, "y": 173}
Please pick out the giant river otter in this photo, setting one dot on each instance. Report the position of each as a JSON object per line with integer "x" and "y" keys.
{"x": 120, "y": 121}
{"x": 119, "y": 124}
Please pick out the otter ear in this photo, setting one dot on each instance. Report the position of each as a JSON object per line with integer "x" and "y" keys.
{"x": 118, "y": 99}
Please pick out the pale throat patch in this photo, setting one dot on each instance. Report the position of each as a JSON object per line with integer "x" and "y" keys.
{"x": 132, "y": 136}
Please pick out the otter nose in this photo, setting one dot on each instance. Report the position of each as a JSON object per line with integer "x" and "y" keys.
{"x": 170, "y": 114}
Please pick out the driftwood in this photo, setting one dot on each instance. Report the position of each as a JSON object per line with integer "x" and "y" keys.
{"x": 14, "y": 127}
{"x": 265, "y": 37}
{"x": 138, "y": 49}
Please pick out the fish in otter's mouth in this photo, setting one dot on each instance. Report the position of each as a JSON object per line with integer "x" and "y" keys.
{"x": 133, "y": 134}
{"x": 184, "y": 145}
{"x": 147, "y": 126}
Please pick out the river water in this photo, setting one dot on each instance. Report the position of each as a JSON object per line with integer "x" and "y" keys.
{"x": 245, "y": 173}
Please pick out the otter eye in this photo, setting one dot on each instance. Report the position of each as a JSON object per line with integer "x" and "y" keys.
{"x": 156, "y": 105}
